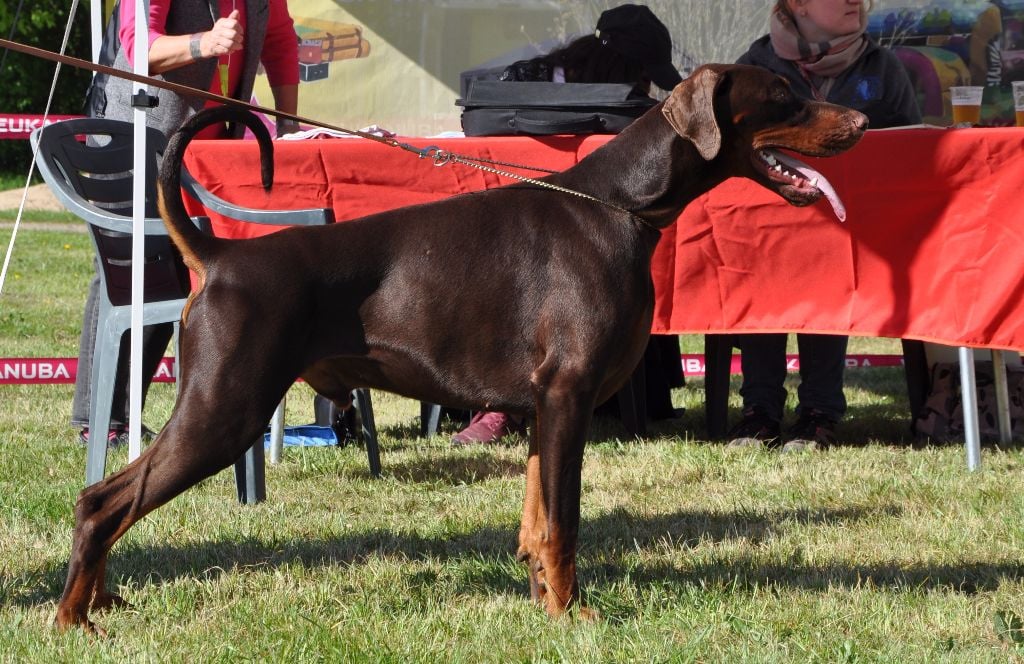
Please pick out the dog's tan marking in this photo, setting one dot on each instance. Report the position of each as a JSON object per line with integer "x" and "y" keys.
{"x": 192, "y": 261}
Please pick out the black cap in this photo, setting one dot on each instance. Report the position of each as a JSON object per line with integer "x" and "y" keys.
{"x": 635, "y": 32}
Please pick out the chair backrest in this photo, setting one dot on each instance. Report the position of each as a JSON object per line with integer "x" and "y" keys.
{"x": 89, "y": 165}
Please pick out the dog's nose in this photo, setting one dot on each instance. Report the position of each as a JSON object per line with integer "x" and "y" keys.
{"x": 860, "y": 121}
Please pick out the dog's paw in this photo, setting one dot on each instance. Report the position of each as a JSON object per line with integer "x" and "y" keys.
{"x": 63, "y": 623}
{"x": 538, "y": 589}
{"x": 105, "y": 600}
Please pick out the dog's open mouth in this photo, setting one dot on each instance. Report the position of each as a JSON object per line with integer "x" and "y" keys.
{"x": 798, "y": 183}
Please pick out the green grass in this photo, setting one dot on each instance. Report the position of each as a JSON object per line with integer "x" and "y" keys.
{"x": 875, "y": 551}
{"x": 16, "y": 180}
{"x": 42, "y": 216}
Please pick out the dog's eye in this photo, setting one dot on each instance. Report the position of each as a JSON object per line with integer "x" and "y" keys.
{"x": 779, "y": 95}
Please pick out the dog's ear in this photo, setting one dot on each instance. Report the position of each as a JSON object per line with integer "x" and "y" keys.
{"x": 691, "y": 112}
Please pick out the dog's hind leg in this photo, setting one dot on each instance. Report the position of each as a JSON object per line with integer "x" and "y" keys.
{"x": 188, "y": 450}
{"x": 98, "y": 506}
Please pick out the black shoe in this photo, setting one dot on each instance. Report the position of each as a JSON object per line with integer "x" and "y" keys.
{"x": 755, "y": 429}
{"x": 347, "y": 426}
{"x": 813, "y": 431}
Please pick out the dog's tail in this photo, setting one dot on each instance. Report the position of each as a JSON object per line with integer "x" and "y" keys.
{"x": 195, "y": 246}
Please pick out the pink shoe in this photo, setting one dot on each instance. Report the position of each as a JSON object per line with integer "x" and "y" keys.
{"x": 486, "y": 427}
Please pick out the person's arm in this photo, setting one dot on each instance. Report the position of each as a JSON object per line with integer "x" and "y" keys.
{"x": 281, "y": 61}
{"x": 172, "y": 51}
{"x": 167, "y": 52}
{"x": 280, "y": 58}
{"x": 286, "y": 98}
{"x": 904, "y": 96}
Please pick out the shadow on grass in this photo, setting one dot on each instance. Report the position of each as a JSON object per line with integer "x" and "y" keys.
{"x": 608, "y": 555}
{"x": 456, "y": 470}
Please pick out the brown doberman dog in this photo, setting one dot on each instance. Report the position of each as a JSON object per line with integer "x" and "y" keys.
{"x": 419, "y": 302}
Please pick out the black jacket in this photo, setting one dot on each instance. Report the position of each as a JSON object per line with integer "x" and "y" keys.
{"x": 876, "y": 85}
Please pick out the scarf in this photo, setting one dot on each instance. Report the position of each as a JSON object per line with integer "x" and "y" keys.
{"x": 819, "y": 62}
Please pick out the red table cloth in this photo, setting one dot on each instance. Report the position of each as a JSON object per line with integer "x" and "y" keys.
{"x": 932, "y": 249}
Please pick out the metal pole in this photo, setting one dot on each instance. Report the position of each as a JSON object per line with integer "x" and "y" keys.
{"x": 969, "y": 403}
{"x": 140, "y": 67}
{"x": 1002, "y": 396}
{"x": 96, "y": 28}
{"x": 277, "y": 433}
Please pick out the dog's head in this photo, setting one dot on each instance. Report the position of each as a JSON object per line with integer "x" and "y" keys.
{"x": 748, "y": 115}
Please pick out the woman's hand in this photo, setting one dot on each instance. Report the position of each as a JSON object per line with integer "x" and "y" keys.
{"x": 226, "y": 36}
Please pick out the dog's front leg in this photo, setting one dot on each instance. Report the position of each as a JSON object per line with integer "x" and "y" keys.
{"x": 563, "y": 415}
{"x": 102, "y": 598}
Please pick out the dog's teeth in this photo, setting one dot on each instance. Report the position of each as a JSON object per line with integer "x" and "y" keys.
{"x": 814, "y": 182}
{"x": 778, "y": 168}
{"x": 771, "y": 160}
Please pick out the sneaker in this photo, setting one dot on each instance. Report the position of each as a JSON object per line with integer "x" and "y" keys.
{"x": 756, "y": 428}
{"x": 487, "y": 427}
{"x": 116, "y": 437}
{"x": 813, "y": 431}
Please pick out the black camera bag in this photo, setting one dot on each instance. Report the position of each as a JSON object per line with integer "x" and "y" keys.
{"x": 502, "y": 108}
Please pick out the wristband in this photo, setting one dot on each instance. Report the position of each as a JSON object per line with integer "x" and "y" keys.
{"x": 193, "y": 46}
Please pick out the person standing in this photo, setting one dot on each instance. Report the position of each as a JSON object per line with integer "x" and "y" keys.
{"x": 214, "y": 45}
{"x": 821, "y": 47}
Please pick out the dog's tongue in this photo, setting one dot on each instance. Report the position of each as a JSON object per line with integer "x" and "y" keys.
{"x": 817, "y": 178}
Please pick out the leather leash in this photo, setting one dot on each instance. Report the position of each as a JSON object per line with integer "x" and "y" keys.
{"x": 437, "y": 155}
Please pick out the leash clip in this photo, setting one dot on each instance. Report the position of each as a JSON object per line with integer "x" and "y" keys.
{"x": 440, "y": 157}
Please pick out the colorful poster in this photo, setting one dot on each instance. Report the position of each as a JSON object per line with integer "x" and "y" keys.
{"x": 956, "y": 42}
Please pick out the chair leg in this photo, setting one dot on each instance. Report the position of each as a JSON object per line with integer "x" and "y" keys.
{"x": 250, "y": 478}
{"x": 430, "y": 418}
{"x": 177, "y": 358}
{"x": 277, "y": 432}
{"x": 717, "y": 366}
{"x": 364, "y": 407}
{"x": 104, "y": 372}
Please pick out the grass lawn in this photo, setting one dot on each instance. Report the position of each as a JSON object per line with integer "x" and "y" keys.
{"x": 877, "y": 550}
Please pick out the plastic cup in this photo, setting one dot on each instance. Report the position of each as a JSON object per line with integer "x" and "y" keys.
{"x": 966, "y": 101}
{"x": 1018, "y": 101}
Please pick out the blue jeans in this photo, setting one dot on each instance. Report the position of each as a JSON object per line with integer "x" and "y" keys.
{"x": 822, "y": 362}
